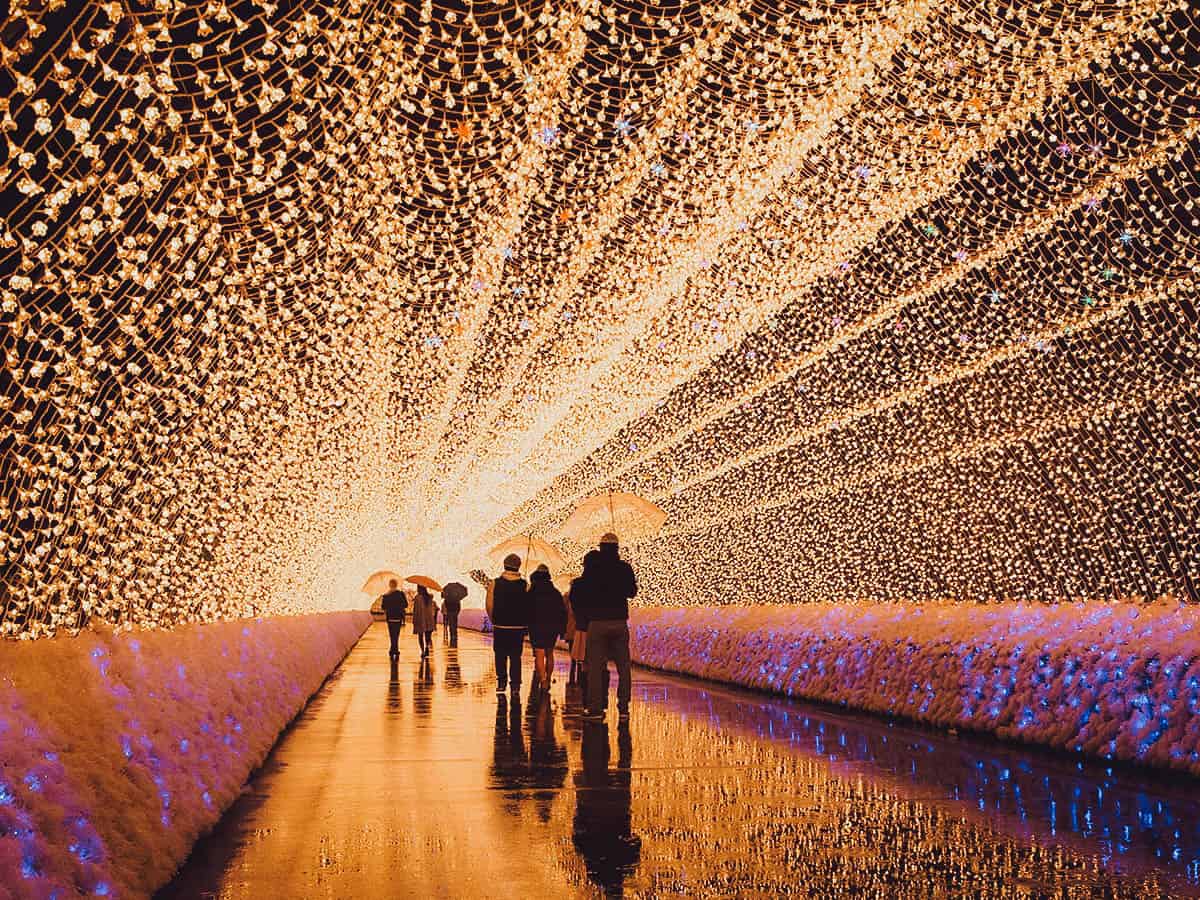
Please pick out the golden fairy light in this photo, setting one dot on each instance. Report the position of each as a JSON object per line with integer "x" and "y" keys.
{"x": 876, "y": 300}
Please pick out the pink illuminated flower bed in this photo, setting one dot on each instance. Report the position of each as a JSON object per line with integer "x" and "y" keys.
{"x": 1118, "y": 681}
{"x": 118, "y": 751}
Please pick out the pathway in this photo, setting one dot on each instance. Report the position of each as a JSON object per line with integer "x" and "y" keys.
{"x": 411, "y": 780}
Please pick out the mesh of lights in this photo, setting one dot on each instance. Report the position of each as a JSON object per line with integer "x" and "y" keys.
{"x": 880, "y": 300}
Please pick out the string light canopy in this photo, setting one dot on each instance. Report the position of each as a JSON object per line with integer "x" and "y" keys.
{"x": 874, "y": 299}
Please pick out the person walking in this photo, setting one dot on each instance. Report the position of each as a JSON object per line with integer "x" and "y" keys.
{"x": 453, "y": 595}
{"x": 547, "y": 622}
{"x": 579, "y": 594}
{"x": 395, "y": 606}
{"x": 610, "y": 586}
{"x": 508, "y": 608}
{"x": 424, "y": 619}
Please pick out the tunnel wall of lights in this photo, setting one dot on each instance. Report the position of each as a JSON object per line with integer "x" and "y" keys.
{"x": 117, "y": 751}
{"x": 880, "y": 301}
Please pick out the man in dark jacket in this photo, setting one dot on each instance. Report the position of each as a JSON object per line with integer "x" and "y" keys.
{"x": 395, "y": 605}
{"x": 611, "y": 585}
{"x": 452, "y": 598}
{"x": 508, "y": 608}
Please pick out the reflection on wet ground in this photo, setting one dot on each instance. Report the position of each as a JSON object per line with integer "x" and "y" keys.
{"x": 415, "y": 780}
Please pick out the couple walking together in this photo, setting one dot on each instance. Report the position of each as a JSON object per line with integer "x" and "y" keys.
{"x": 599, "y": 599}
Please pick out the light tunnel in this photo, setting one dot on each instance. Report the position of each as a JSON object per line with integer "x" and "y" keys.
{"x": 889, "y": 308}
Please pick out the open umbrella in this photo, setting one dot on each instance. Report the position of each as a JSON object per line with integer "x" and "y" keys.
{"x": 377, "y": 584}
{"x": 630, "y": 517}
{"x": 424, "y": 581}
{"x": 533, "y": 552}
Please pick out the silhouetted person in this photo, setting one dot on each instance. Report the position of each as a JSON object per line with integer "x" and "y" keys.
{"x": 609, "y": 586}
{"x": 547, "y": 622}
{"x": 424, "y": 619}
{"x": 508, "y": 608}
{"x": 395, "y": 605}
{"x": 453, "y": 595}
{"x": 580, "y": 592}
{"x": 603, "y": 828}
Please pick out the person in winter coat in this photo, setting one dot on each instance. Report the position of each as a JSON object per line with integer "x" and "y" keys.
{"x": 547, "y": 622}
{"x": 452, "y": 598}
{"x": 579, "y": 610}
{"x": 424, "y": 619}
{"x": 508, "y": 608}
{"x": 610, "y": 585}
{"x": 395, "y": 606}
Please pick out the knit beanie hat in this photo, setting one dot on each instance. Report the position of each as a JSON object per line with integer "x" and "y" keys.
{"x": 512, "y": 563}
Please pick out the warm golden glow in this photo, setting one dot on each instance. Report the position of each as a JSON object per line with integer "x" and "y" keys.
{"x": 876, "y": 300}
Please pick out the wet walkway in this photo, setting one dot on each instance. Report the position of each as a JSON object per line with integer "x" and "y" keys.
{"x": 411, "y": 780}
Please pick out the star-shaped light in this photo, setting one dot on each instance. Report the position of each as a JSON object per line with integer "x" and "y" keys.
{"x": 548, "y": 135}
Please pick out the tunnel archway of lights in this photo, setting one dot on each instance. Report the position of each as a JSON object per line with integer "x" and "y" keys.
{"x": 879, "y": 300}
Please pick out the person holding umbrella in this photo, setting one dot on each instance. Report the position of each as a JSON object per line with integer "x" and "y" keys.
{"x": 453, "y": 595}
{"x": 395, "y": 606}
{"x": 424, "y": 619}
{"x": 610, "y": 586}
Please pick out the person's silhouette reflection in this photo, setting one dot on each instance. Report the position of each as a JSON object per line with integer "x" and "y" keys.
{"x": 603, "y": 830}
{"x": 423, "y": 688}
{"x": 510, "y": 762}
{"x": 393, "y": 692}
{"x": 453, "y": 677}
{"x": 547, "y": 758}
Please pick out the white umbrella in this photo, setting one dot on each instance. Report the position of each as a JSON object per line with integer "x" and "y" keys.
{"x": 377, "y": 584}
{"x": 533, "y": 552}
{"x": 628, "y": 516}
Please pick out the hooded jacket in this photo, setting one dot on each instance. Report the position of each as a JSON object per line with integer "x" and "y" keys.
{"x": 546, "y": 609}
{"x": 606, "y": 587}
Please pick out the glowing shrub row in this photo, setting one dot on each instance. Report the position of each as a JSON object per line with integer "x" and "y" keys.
{"x": 118, "y": 751}
{"x": 1109, "y": 680}
{"x": 1116, "y": 681}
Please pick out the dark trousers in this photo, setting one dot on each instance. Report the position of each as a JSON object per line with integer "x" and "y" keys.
{"x": 507, "y": 644}
{"x": 608, "y": 639}
{"x": 450, "y": 621}
{"x": 394, "y": 633}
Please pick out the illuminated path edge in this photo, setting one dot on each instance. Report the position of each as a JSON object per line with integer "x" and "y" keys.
{"x": 118, "y": 751}
{"x": 1112, "y": 681}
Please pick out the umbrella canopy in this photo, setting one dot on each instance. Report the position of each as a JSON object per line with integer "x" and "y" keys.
{"x": 377, "y": 584}
{"x": 630, "y": 517}
{"x": 454, "y": 591}
{"x": 533, "y": 552}
{"x": 424, "y": 581}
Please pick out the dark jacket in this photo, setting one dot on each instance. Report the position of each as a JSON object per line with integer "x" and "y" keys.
{"x": 608, "y": 587}
{"x": 579, "y": 593}
{"x": 395, "y": 605}
{"x": 547, "y": 613}
{"x": 510, "y": 606}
